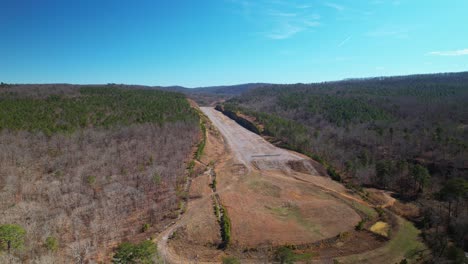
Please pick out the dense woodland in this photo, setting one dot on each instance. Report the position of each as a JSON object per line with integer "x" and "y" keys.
{"x": 84, "y": 168}
{"x": 405, "y": 134}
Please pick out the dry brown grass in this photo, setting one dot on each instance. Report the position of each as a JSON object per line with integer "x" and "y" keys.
{"x": 380, "y": 228}
{"x": 281, "y": 210}
{"x": 407, "y": 210}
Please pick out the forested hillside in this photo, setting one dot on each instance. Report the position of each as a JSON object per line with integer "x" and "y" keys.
{"x": 405, "y": 134}
{"x": 85, "y": 168}
{"x": 208, "y": 95}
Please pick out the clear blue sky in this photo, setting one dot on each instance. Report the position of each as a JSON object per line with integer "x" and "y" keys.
{"x": 211, "y": 42}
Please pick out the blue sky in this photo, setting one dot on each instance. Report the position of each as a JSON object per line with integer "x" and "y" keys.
{"x": 214, "y": 42}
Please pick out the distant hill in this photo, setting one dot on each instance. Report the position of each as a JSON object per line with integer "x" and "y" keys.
{"x": 211, "y": 95}
{"x": 219, "y": 90}
{"x": 230, "y": 89}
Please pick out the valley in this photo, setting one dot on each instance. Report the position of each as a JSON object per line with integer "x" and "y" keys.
{"x": 357, "y": 171}
{"x": 234, "y": 132}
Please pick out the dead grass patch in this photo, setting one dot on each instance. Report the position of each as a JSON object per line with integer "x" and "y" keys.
{"x": 380, "y": 228}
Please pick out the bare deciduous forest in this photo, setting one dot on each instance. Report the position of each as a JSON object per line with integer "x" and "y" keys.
{"x": 85, "y": 168}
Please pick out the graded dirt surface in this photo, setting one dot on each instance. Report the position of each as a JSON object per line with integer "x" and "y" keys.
{"x": 248, "y": 147}
{"x": 269, "y": 203}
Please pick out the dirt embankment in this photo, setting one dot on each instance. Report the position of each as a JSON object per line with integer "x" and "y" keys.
{"x": 243, "y": 120}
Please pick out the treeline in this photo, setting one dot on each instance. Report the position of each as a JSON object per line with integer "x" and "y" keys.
{"x": 92, "y": 107}
{"x": 405, "y": 134}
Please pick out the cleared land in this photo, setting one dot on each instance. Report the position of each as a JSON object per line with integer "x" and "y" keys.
{"x": 274, "y": 205}
{"x": 249, "y": 148}
{"x": 269, "y": 203}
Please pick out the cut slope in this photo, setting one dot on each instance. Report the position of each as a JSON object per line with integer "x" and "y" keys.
{"x": 248, "y": 147}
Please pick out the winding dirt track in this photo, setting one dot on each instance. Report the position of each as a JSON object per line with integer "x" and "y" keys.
{"x": 167, "y": 255}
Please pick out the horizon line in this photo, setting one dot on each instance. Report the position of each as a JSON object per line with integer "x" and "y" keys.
{"x": 244, "y": 83}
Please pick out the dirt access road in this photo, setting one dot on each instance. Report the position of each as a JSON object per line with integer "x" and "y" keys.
{"x": 248, "y": 147}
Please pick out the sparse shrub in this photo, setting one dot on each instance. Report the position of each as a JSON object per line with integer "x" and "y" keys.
{"x": 174, "y": 235}
{"x": 145, "y": 227}
{"x": 213, "y": 184}
{"x": 11, "y": 237}
{"x": 225, "y": 228}
{"x": 51, "y": 243}
{"x": 333, "y": 174}
{"x": 191, "y": 166}
{"x": 150, "y": 161}
{"x": 230, "y": 260}
{"x": 201, "y": 145}
{"x": 380, "y": 211}
{"x": 456, "y": 255}
{"x": 216, "y": 209}
{"x": 317, "y": 158}
{"x": 182, "y": 194}
{"x": 156, "y": 178}
{"x": 360, "y": 225}
{"x": 284, "y": 255}
{"x": 344, "y": 235}
{"x": 58, "y": 174}
{"x": 91, "y": 180}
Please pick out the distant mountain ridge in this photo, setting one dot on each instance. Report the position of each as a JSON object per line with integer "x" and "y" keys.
{"x": 241, "y": 88}
{"x": 220, "y": 90}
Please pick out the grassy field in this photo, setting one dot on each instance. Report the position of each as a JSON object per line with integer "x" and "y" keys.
{"x": 406, "y": 244}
